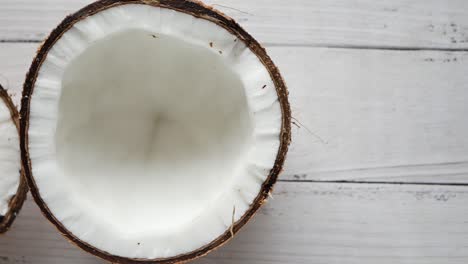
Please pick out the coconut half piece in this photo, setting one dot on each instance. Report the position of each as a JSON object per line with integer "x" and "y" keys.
{"x": 13, "y": 187}
{"x": 152, "y": 131}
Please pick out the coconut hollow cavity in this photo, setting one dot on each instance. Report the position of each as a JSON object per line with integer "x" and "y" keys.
{"x": 152, "y": 131}
{"x": 13, "y": 187}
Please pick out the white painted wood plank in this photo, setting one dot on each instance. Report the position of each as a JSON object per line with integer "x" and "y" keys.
{"x": 305, "y": 223}
{"x": 380, "y": 115}
{"x": 366, "y": 115}
{"x": 397, "y": 23}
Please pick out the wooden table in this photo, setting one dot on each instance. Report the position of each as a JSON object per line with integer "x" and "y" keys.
{"x": 378, "y": 167}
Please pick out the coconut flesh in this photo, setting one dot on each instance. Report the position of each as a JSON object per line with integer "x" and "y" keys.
{"x": 10, "y": 163}
{"x": 151, "y": 131}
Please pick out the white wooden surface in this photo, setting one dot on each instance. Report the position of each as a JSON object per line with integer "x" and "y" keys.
{"x": 378, "y": 167}
{"x": 306, "y": 224}
{"x": 441, "y": 24}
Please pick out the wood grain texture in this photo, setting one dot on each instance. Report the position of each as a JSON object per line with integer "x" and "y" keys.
{"x": 305, "y": 223}
{"x": 394, "y": 116}
{"x": 429, "y": 24}
{"x": 377, "y": 115}
{"x": 359, "y": 115}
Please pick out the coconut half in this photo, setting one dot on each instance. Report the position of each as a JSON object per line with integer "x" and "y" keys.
{"x": 152, "y": 131}
{"x": 13, "y": 187}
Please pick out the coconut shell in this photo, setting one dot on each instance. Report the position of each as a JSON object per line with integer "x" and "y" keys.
{"x": 16, "y": 202}
{"x": 197, "y": 9}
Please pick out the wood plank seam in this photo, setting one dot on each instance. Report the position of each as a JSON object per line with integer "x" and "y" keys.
{"x": 377, "y": 182}
{"x": 285, "y": 45}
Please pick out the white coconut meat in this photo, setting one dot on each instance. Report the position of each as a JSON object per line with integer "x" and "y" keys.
{"x": 10, "y": 159}
{"x": 148, "y": 127}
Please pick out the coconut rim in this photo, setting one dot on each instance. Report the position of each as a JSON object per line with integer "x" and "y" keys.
{"x": 16, "y": 202}
{"x": 198, "y": 10}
